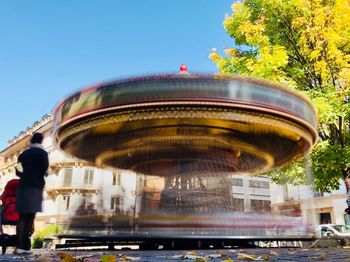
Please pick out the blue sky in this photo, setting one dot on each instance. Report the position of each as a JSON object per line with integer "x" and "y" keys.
{"x": 49, "y": 49}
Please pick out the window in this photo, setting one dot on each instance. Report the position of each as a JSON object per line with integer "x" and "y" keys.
{"x": 238, "y": 204}
{"x": 66, "y": 200}
{"x": 237, "y": 182}
{"x": 116, "y": 179}
{"x": 89, "y": 177}
{"x": 87, "y": 200}
{"x": 116, "y": 202}
{"x": 67, "y": 177}
{"x": 259, "y": 184}
{"x": 260, "y": 205}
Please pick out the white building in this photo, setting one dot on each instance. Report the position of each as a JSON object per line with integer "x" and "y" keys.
{"x": 315, "y": 208}
{"x": 251, "y": 193}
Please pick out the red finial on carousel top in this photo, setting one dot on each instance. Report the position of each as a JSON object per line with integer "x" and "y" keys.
{"x": 183, "y": 69}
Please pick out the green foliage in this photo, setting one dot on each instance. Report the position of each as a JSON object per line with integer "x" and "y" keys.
{"x": 293, "y": 174}
{"x": 48, "y": 231}
{"x": 330, "y": 164}
{"x": 38, "y": 242}
{"x": 304, "y": 44}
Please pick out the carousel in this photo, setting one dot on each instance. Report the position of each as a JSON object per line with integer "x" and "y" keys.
{"x": 191, "y": 131}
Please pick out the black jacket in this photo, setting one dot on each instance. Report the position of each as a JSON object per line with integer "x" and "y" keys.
{"x": 35, "y": 162}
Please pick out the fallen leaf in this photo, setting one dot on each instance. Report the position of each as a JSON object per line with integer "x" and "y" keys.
{"x": 129, "y": 258}
{"x": 274, "y": 253}
{"x": 65, "y": 257}
{"x": 322, "y": 256}
{"x": 123, "y": 258}
{"x": 243, "y": 256}
{"x": 194, "y": 257}
{"x": 228, "y": 260}
{"x": 264, "y": 257}
{"x": 176, "y": 257}
{"x": 213, "y": 256}
{"x": 83, "y": 257}
{"x": 108, "y": 258}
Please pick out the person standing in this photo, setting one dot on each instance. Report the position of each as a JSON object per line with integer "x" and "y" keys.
{"x": 32, "y": 167}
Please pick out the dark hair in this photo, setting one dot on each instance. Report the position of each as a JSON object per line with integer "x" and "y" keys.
{"x": 37, "y": 138}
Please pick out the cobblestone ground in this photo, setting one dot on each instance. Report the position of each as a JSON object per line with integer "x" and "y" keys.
{"x": 256, "y": 254}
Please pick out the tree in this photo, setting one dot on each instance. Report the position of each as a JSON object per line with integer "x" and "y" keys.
{"x": 304, "y": 44}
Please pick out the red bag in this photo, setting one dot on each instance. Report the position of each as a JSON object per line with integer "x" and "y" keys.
{"x": 9, "y": 215}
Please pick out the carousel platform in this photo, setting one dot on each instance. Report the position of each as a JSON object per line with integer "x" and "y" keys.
{"x": 183, "y": 242}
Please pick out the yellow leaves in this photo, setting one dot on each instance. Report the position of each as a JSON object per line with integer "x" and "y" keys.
{"x": 302, "y": 4}
{"x": 231, "y": 52}
{"x": 344, "y": 76}
{"x": 65, "y": 257}
{"x": 342, "y": 15}
{"x": 243, "y": 29}
{"x": 321, "y": 68}
{"x": 303, "y": 42}
{"x": 108, "y": 258}
{"x": 322, "y": 33}
{"x": 299, "y": 22}
{"x": 215, "y": 57}
{"x": 254, "y": 33}
{"x": 315, "y": 54}
{"x": 270, "y": 60}
{"x": 237, "y": 8}
{"x": 321, "y": 16}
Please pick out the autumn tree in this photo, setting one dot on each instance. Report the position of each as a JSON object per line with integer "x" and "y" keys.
{"x": 304, "y": 44}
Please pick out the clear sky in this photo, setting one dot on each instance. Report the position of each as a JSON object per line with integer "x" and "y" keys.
{"x": 49, "y": 49}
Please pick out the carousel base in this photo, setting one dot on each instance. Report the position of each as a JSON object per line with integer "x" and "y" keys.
{"x": 184, "y": 242}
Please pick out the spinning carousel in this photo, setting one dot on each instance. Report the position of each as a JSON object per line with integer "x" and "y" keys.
{"x": 191, "y": 130}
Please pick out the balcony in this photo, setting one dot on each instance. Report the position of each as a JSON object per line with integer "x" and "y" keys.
{"x": 54, "y": 192}
{"x": 55, "y": 187}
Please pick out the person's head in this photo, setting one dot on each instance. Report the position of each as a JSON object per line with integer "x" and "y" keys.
{"x": 37, "y": 138}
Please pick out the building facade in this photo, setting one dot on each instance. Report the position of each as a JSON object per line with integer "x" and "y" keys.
{"x": 315, "y": 208}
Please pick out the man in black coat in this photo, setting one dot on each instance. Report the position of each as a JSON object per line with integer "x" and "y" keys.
{"x": 32, "y": 167}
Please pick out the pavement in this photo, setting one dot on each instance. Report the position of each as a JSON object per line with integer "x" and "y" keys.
{"x": 335, "y": 254}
